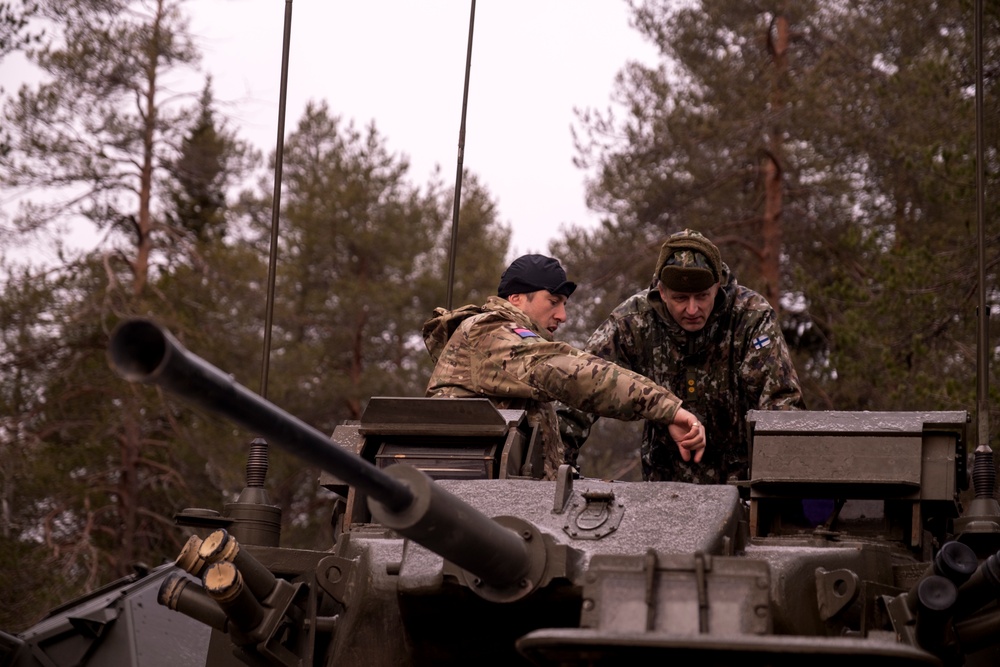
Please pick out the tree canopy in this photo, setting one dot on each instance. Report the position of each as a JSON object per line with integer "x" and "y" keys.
{"x": 94, "y": 468}
{"x": 788, "y": 133}
{"x": 15, "y": 33}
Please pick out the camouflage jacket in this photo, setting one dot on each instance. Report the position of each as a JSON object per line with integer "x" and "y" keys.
{"x": 739, "y": 361}
{"x": 497, "y": 351}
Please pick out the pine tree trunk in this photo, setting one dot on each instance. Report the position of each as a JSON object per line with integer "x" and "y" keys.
{"x": 772, "y": 169}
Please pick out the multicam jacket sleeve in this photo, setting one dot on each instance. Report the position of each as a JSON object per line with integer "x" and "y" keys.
{"x": 494, "y": 355}
{"x": 496, "y": 351}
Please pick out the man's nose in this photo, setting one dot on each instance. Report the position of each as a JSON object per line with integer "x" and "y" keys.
{"x": 691, "y": 307}
{"x": 560, "y": 314}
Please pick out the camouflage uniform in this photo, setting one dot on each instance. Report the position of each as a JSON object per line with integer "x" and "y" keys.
{"x": 497, "y": 351}
{"x": 737, "y": 362}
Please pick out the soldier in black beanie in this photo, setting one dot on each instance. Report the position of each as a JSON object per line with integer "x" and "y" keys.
{"x": 504, "y": 350}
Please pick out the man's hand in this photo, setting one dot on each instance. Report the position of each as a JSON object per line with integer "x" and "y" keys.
{"x": 689, "y": 434}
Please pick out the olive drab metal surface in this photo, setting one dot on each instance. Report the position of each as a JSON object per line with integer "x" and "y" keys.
{"x": 847, "y": 543}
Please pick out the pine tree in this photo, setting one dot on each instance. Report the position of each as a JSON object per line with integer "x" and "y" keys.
{"x": 828, "y": 149}
{"x": 102, "y": 464}
{"x": 15, "y": 33}
{"x": 95, "y": 136}
{"x": 362, "y": 263}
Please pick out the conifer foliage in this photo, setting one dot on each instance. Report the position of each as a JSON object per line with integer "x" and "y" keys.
{"x": 92, "y": 469}
{"x": 829, "y": 150}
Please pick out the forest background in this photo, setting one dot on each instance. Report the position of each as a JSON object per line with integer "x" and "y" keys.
{"x": 828, "y": 148}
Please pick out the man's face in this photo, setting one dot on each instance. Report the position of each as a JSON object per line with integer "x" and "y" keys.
{"x": 544, "y": 307}
{"x": 689, "y": 309}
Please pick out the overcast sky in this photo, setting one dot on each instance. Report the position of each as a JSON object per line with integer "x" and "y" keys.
{"x": 401, "y": 64}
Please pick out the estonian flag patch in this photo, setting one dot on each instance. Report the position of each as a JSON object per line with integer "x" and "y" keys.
{"x": 525, "y": 333}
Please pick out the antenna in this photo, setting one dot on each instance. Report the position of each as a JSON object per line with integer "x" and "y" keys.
{"x": 279, "y": 154}
{"x": 982, "y": 342}
{"x": 981, "y": 524}
{"x": 252, "y": 519}
{"x": 461, "y": 155}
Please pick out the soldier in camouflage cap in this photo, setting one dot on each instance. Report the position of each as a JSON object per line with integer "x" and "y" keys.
{"x": 504, "y": 350}
{"x": 714, "y": 342}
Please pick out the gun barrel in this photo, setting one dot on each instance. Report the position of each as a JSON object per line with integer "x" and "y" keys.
{"x": 142, "y": 351}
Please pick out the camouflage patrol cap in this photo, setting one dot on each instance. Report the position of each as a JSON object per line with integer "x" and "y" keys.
{"x": 530, "y": 273}
{"x": 688, "y": 262}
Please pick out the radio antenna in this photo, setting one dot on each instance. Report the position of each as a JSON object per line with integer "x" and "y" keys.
{"x": 982, "y": 376}
{"x": 461, "y": 156}
{"x": 983, "y": 515}
{"x": 279, "y": 153}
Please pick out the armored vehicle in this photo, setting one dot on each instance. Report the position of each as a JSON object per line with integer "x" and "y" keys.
{"x": 847, "y": 543}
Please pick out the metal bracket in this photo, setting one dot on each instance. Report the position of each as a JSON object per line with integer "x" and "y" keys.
{"x": 593, "y": 515}
{"x": 835, "y": 591}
